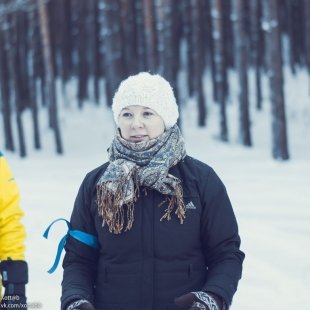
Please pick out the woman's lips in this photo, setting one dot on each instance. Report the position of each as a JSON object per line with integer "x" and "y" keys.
{"x": 138, "y": 138}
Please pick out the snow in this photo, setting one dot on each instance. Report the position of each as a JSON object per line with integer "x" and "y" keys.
{"x": 271, "y": 199}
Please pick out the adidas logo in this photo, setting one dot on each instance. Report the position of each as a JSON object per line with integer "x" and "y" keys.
{"x": 190, "y": 205}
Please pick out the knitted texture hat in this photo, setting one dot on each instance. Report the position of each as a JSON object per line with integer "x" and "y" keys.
{"x": 152, "y": 91}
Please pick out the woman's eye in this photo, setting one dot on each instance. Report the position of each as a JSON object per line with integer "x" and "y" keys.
{"x": 147, "y": 113}
{"x": 126, "y": 114}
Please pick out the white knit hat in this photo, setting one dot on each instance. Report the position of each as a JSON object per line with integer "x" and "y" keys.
{"x": 148, "y": 90}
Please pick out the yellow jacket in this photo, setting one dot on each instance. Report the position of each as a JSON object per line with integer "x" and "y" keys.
{"x": 12, "y": 231}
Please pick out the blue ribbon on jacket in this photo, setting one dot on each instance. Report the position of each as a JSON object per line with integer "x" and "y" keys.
{"x": 79, "y": 235}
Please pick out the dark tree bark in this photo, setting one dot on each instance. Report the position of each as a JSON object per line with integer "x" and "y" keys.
{"x": 168, "y": 42}
{"x": 32, "y": 78}
{"x": 274, "y": 62}
{"x": 112, "y": 45}
{"x": 241, "y": 61}
{"x": 207, "y": 30}
{"x": 141, "y": 53}
{"x": 256, "y": 49}
{"x": 210, "y": 46}
{"x": 22, "y": 67}
{"x": 13, "y": 62}
{"x": 65, "y": 39}
{"x": 37, "y": 57}
{"x": 49, "y": 75}
{"x": 93, "y": 54}
{"x": 220, "y": 70}
{"x": 150, "y": 34}
{"x": 83, "y": 43}
{"x": 5, "y": 91}
{"x": 197, "y": 39}
{"x": 306, "y": 33}
{"x": 129, "y": 36}
{"x": 228, "y": 42}
{"x": 60, "y": 16}
{"x": 187, "y": 33}
{"x": 295, "y": 32}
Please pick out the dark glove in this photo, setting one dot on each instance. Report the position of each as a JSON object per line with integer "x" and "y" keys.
{"x": 200, "y": 300}
{"x": 81, "y": 304}
{"x": 14, "y": 275}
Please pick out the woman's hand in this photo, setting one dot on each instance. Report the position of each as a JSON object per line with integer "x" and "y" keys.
{"x": 200, "y": 300}
{"x": 81, "y": 304}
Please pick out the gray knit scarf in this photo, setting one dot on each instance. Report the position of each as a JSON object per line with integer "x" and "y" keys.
{"x": 145, "y": 163}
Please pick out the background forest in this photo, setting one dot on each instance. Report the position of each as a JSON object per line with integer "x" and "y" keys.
{"x": 241, "y": 72}
{"x": 46, "y": 44}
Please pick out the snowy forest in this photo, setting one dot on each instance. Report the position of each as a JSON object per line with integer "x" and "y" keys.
{"x": 44, "y": 44}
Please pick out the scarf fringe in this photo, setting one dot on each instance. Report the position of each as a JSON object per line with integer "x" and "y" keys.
{"x": 112, "y": 210}
{"x": 111, "y": 207}
{"x": 175, "y": 200}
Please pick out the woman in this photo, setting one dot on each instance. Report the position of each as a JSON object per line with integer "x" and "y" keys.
{"x": 167, "y": 233}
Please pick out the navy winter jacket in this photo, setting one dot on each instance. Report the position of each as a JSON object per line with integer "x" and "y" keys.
{"x": 146, "y": 267}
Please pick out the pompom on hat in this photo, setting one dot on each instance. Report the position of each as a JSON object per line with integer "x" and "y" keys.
{"x": 152, "y": 91}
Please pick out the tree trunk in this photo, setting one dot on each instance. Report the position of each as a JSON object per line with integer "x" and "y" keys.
{"x": 5, "y": 94}
{"x": 220, "y": 70}
{"x": 11, "y": 39}
{"x": 197, "y": 39}
{"x": 166, "y": 18}
{"x": 306, "y": 32}
{"x": 256, "y": 48}
{"x": 274, "y": 63}
{"x": 150, "y": 34}
{"x": 141, "y": 52}
{"x": 32, "y": 79}
{"x": 241, "y": 61}
{"x": 49, "y": 74}
{"x": 129, "y": 36}
{"x": 291, "y": 34}
{"x": 112, "y": 44}
{"x": 97, "y": 70}
{"x": 163, "y": 31}
{"x": 66, "y": 44}
{"x": 83, "y": 44}
{"x": 187, "y": 26}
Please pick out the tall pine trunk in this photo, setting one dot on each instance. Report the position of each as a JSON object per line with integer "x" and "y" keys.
{"x": 50, "y": 88}
{"x": 241, "y": 60}
{"x": 198, "y": 59}
{"x": 167, "y": 41}
{"x": 307, "y": 36}
{"x": 15, "y": 87}
{"x": 82, "y": 52}
{"x": 141, "y": 52}
{"x": 32, "y": 78}
{"x": 5, "y": 94}
{"x": 112, "y": 46}
{"x": 150, "y": 34}
{"x": 219, "y": 64}
{"x": 129, "y": 36}
{"x": 256, "y": 47}
{"x": 274, "y": 64}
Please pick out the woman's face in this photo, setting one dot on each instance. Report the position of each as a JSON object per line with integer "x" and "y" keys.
{"x": 139, "y": 123}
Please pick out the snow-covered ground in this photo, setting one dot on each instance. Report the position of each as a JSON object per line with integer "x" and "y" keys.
{"x": 271, "y": 199}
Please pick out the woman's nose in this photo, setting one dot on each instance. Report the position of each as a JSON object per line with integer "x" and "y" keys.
{"x": 137, "y": 122}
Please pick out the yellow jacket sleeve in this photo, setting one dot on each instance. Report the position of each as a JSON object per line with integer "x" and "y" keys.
{"x": 12, "y": 231}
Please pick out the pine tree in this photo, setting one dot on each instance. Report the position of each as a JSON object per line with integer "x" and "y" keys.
{"x": 274, "y": 65}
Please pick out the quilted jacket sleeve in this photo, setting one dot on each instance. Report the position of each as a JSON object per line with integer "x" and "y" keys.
{"x": 12, "y": 231}
{"x": 80, "y": 261}
{"x": 220, "y": 238}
